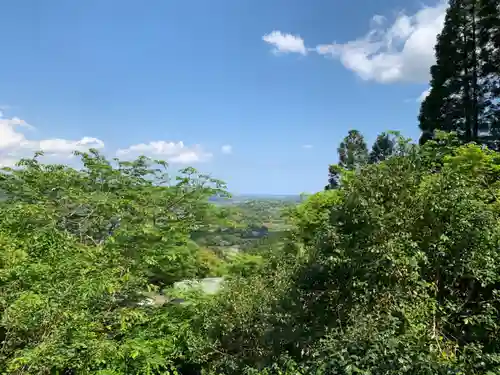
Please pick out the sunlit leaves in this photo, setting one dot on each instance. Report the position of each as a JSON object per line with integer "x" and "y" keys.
{"x": 78, "y": 248}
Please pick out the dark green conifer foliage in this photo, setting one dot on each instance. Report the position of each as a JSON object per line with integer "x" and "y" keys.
{"x": 352, "y": 152}
{"x": 382, "y": 149}
{"x": 464, "y": 83}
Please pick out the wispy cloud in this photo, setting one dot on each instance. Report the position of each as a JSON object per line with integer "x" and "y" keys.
{"x": 307, "y": 146}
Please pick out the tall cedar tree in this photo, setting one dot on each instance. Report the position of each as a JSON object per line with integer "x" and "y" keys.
{"x": 352, "y": 152}
{"x": 464, "y": 90}
{"x": 489, "y": 40}
{"x": 382, "y": 148}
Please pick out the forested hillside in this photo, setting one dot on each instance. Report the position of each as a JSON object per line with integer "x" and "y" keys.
{"x": 394, "y": 268}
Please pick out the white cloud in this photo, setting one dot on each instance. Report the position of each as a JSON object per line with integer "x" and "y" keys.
{"x": 173, "y": 152}
{"x": 64, "y": 147}
{"x": 285, "y": 43}
{"x": 401, "y": 51}
{"x": 307, "y": 146}
{"x": 423, "y": 95}
{"x": 226, "y": 149}
{"x": 10, "y": 137}
{"x": 378, "y": 20}
{"x": 14, "y": 144}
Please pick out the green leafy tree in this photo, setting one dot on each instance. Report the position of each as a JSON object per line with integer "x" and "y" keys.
{"x": 80, "y": 247}
{"x": 395, "y": 272}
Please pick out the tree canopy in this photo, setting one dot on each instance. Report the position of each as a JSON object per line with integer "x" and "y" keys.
{"x": 393, "y": 269}
{"x": 394, "y": 272}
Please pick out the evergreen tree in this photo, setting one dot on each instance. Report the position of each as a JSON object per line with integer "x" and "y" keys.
{"x": 464, "y": 81}
{"x": 353, "y": 151}
{"x": 333, "y": 177}
{"x": 382, "y": 148}
{"x": 489, "y": 40}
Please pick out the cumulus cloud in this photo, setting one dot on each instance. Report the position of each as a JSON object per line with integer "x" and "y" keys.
{"x": 64, "y": 147}
{"x": 14, "y": 144}
{"x": 403, "y": 51}
{"x": 226, "y": 149}
{"x": 285, "y": 43}
{"x": 387, "y": 53}
{"x": 173, "y": 152}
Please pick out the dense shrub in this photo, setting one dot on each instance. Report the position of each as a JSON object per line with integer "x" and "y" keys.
{"x": 398, "y": 273}
{"x": 393, "y": 271}
{"x": 79, "y": 247}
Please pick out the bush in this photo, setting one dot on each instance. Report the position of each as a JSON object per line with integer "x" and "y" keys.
{"x": 79, "y": 247}
{"x": 395, "y": 271}
{"x": 399, "y": 273}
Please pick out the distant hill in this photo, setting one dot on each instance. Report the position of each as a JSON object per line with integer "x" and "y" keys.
{"x": 256, "y": 197}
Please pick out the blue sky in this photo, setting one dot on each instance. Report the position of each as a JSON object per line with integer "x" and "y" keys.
{"x": 256, "y": 92}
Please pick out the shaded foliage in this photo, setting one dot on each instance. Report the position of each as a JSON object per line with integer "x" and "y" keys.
{"x": 395, "y": 272}
{"x": 464, "y": 89}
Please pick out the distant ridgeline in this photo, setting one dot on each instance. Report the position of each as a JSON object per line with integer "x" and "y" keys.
{"x": 235, "y": 199}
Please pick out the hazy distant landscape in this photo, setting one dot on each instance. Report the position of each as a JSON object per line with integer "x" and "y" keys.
{"x": 238, "y": 198}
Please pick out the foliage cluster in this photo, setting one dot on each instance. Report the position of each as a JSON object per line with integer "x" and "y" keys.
{"x": 79, "y": 249}
{"x": 395, "y": 272}
{"x": 393, "y": 269}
